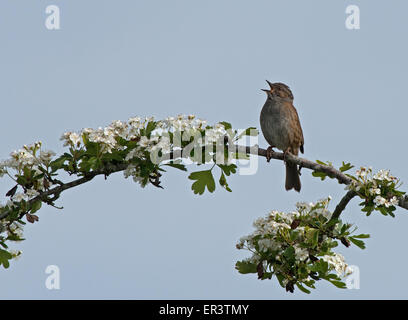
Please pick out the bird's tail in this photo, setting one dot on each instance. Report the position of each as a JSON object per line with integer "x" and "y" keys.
{"x": 292, "y": 177}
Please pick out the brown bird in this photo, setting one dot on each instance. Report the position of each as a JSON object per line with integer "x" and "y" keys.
{"x": 281, "y": 128}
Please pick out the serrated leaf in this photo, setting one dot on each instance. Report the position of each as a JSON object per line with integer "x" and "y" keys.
{"x": 203, "y": 179}
{"x": 346, "y": 167}
{"x": 245, "y": 267}
{"x": 223, "y": 182}
{"x": 228, "y": 169}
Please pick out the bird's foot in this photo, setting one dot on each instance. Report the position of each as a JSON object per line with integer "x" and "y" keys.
{"x": 269, "y": 153}
{"x": 285, "y": 153}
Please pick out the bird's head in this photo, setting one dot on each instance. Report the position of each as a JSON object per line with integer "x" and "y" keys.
{"x": 278, "y": 90}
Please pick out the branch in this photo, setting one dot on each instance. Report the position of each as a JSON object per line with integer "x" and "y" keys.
{"x": 254, "y": 150}
{"x": 342, "y": 204}
{"x": 301, "y": 162}
{"x": 305, "y": 163}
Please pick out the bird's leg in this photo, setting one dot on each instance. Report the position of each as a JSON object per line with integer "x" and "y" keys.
{"x": 269, "y": 152}
{"x": 300, "y": 168}
{"x": 285, "y": 154}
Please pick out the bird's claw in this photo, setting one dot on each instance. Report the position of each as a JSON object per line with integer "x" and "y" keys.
{"x": 269, "y": 152}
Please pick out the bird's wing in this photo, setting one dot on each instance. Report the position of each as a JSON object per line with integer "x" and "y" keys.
{"x": 297, "y": 136}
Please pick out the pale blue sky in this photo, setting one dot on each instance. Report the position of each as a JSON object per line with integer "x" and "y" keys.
{"x": 116, "y": 59}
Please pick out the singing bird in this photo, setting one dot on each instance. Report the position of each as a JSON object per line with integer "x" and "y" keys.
{"x": 281, "y": 128}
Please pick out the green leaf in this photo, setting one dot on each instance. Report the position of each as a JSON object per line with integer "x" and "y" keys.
{"x": 226, "y": 125}
{"x": 346, "y": 166}
{"x": 223, "y": 182}
{"x": 228, "y": 169}
{"x": 338, "y": 284}
{"x": 313, "y": 236}
{"x": 362, "y": 236}
{"x": 59, "y": 162}
{"x": 319, "y": 174}
{"x": 368, "y": 209}
{"x": 289, "y": 254}
{"x": 36, "y": 206}
{"x": 358, "y": 243}
{"x": 177, "y": 166}
{"x": 149, "y": 128}
{"x": 5, "y": 256}
{"x": 321, "y": 162}
{"x": 246, "y": 267}
{"x": 320, "y": 266}
{"x": 203, "y": 179}
{"x": 302, "y": 288}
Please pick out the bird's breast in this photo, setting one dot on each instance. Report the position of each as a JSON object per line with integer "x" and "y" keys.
{"x": 275, "y": 125}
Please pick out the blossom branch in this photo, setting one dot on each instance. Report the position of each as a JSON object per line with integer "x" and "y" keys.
{"x": 301, "y": 162}
{"x": 305, "y": 163}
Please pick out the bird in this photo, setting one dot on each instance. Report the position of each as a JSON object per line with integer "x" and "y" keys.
{"x": 281, "y": 128}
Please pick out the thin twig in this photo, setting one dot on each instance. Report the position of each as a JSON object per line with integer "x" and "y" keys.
{"x": 342, "y": 204}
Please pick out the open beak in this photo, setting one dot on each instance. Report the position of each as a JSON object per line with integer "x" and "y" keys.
{"x": 270, "y": 84}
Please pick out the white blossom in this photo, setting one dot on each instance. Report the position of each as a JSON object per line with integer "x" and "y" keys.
{"x": 19, "y": 196}
{"x": 301, "y": 253}
{"x": 379, "y": 201}
{"x": 337, "y": 262}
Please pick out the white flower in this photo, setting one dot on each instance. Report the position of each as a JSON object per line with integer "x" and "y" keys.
{"x": 301, "y": 254}
{"x": 31, "y": 193}
{"x": 337, "y": 262}
{"x": 394, "y": 201}
{"x": 19, "y": 196}
{"x": 362, "y": 172}
{"x": 379, "y": 201}
{"x": 163, "y": 144}
{"x": 16, "y": 254}
{"x": 144, "y": 142}
{"x": 119, "y": 128}
{"x": 46, "y": 156}
{"x": 71, "y": 138}
{"x": 374, "y": 191}
{"x": 74, "y": 138}
{"x": 135, "y": 153}
{"x": 22, "y": 157}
